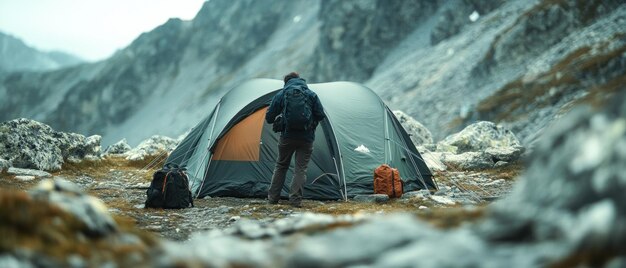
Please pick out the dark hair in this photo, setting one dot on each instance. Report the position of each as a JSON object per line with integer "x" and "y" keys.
{"x": 290, "y": 75}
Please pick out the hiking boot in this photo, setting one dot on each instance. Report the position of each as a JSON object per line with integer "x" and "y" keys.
{"x": 272, "y": 201}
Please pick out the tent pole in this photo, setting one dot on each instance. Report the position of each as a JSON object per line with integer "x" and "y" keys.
{"x": 386, "y": 145}
{"x": 217, "y": 111}
{"x": 196, "y": 136}
{"x": 342, "y": 175}
{"x": 337, "y": 169}
{"x": 419, "y": 175}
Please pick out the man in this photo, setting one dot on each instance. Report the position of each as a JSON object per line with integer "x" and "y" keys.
{"x": 301, "y": 111}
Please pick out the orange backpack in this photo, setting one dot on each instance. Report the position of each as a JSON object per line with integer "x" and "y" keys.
{"x": 387, "y": 181}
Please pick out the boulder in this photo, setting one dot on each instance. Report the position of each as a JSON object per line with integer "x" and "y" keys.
{"x": 69, "y": 197}
{"x": 469, "y": 160}
{"x": 444, "y": 148}
{"x": 505, "y": 154}
{"x": 479, "y": 137}
{"x": 30, "y": 144}
{"x": 153, "y": 146}
{"x": 572, "y": 193}
{"x": 419, "y": 133}
{"x": 427, "y": 147}
{"x": 76, "y": 148}
{"x": 92, "y": 146}
{"x": 119, "y": 147}
{"x": 371, "y": 198}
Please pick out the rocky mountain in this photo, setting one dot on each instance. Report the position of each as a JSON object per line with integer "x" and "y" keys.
{"x": 446, "y": 63}
{"x": 15, "y": 55}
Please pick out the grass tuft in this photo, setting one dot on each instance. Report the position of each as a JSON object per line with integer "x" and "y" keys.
{"x": 509, "y": 172}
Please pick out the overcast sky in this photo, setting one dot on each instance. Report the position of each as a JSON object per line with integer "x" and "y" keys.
{"x": 90, "y": 29}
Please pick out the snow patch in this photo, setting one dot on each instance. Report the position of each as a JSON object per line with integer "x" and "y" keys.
{"x": 474, "y": 16}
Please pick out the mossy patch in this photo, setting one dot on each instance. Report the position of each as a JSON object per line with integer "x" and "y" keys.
{"x": 509, "y": 172}
{"x": 102, "y": 168}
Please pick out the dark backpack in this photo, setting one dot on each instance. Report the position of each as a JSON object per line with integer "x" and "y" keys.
{"x": 169, "y": 189}
{"x": 297, "y": 113}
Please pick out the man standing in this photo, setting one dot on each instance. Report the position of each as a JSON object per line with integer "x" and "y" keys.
{"x": 301, "y": 111}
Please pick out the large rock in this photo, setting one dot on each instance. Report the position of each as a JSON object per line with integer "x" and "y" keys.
{"x": 572, "y": 194}
{"x": 119, "y": 147}
{"x": 30, "y": 144}
{"x": 469, "y": 160}
{"x": 155, "y": 145}
{"x": 56, "y": 225}
{"x": 69, "y": 197}
{"x": 440, "y": 161}
{"x": 480, "y": 136}
{"x": 505, "y": 154}
{"x": 419, "y": 133}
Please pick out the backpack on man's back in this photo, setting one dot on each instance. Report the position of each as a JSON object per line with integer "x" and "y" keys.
{"x": 169, "y": 189}
{"x": 297, "y": 108}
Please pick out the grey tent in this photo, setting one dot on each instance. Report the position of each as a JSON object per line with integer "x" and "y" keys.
{"x": 232, "y": 151}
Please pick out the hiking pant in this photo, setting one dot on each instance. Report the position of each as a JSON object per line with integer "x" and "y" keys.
{"x": 286, "y": 148}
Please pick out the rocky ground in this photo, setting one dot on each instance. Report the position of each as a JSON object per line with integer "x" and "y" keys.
{"x": 122, "y": 184}
{"x": 565, "y": 209}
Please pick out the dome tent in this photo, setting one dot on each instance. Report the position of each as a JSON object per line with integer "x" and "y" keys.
{"x": 232, "y": 151}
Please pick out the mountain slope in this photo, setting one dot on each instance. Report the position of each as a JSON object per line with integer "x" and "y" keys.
{"x": 430, "y": 59}
{"x": 474, "y": 75}
{"x": 15, "y": 55}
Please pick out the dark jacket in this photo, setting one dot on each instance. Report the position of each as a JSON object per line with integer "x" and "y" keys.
{"x": 276, "y": 108}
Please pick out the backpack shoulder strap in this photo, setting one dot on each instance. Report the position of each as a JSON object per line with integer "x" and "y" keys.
{"x": 165, "y": 182}
{"x": 284, "y": 101}
{"x": 184, "y": 175}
